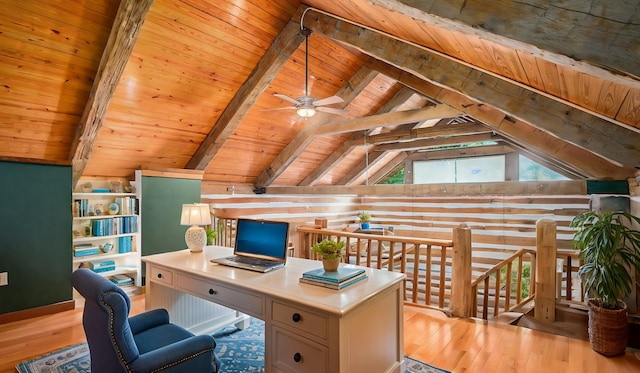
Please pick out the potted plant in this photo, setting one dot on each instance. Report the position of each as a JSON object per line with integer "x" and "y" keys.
{"x": 365, "y": 220}
{"x": 211, "y": 235}
{"x": 610, "y": 248}
{"x": 330, "y": 252}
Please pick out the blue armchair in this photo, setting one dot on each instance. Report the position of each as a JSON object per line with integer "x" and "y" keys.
{"x": 143, "y": 343}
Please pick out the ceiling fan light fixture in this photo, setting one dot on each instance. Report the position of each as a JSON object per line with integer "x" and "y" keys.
{"x": 306, "y": 112}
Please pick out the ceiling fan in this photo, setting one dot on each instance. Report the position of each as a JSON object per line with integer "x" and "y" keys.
{"x": 307, "y": 106}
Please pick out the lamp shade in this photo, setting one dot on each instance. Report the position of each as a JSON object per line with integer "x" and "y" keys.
{"x": 195, "y": 214}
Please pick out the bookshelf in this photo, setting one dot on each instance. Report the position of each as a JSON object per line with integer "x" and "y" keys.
{"x": 106, "y": 230}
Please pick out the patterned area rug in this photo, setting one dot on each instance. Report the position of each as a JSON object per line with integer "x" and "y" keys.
{"x": 414, "y": 366}
{"x": 68, "y": 360}
{"x": 239, "y": 351}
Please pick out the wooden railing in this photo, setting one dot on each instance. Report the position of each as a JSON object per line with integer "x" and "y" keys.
{"x": 225, "y": 230}
{"x": 570, "y": 287}
{"x": 506, "y": 286}
{"x": 427, "y": 263}
{"x": 432, "y": 280}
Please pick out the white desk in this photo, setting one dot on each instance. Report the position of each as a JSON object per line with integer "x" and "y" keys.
{"x": 307, "y": 328}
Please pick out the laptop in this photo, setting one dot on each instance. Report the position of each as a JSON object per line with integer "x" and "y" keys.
{"x": 261, "y": 245}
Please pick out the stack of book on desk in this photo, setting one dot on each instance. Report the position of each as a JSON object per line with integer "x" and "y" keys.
{"x": 339, "y": 279}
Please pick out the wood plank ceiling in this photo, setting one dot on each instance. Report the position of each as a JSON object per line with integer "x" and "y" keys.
{"x": 111, "y": 86}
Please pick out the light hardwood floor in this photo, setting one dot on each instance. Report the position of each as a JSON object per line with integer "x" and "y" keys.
{"x": 453, "y": 344}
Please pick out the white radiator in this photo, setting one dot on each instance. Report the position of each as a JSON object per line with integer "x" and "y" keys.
{"x": 197, "y": 315}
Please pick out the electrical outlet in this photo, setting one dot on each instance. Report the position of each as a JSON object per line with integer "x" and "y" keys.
{"x": 4, "y": 278}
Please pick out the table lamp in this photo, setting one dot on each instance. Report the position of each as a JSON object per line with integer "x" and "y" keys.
{"x": 195, "y": 215}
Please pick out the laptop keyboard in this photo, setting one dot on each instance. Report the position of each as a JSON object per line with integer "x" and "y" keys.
{"x": 251, "y": 261}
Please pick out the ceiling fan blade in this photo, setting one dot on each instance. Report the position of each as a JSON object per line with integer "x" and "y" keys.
{"x": 329, "y": 101}
{"x": 286, "y": 98}
{"x": 279, "y": 108}
{"x": 331, "y": 110}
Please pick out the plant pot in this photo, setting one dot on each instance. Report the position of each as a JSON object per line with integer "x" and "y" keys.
{"x": 608, "y": 329}
{"x": 330, "y": 265}
{"x": 365, "y": 225}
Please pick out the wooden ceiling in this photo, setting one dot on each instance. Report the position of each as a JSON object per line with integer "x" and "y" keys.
{"x": 111, "y": 86}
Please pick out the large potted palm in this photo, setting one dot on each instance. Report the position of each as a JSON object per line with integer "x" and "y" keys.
{"x": 610, "y": 248}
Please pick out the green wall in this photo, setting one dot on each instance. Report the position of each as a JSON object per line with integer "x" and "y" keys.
{"x": 35, "y": 235}
{"x": 162, "y": 199}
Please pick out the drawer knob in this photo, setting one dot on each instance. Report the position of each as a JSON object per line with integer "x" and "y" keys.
{"x": 296, "y": 317}
{"x": 297, "y": 357}
{"x": 212, "y": 292}
{"x": 159, "y": 275}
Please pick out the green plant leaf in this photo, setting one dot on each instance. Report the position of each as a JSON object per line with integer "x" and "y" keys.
{"x": 610, "y": 248}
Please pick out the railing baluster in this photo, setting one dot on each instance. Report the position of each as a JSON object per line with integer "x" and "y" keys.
{"x": 443, "y": 273}
{"x": 392, "y": 256}
{"x": 474, "y": 307}
{"x": 519, "y": 284}
{"x": 496, "y": 301}
{"x": 412, "y": 251}
{"x": 416, "y": 269}
{"x": 368, "y": 252}
{"x": 427, "y": 276}
{"x": 569, "y": 286}
{"x": 485, "y": 301}
{"x": 507, "y": 290}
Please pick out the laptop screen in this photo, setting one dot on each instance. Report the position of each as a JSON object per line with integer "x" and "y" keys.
{"x": 262, "y": 238}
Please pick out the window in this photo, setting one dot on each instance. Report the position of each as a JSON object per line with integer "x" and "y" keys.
{"x": 532, "y": 171}
{"x": 463, "y": 170}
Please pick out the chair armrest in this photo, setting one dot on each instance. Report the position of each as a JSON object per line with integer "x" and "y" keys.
{"x": 195, "y": 354}
{"x": 148, "y": 320}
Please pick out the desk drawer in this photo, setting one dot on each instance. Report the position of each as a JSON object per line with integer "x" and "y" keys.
{"x": 227, "y": 296}
{"x": 292, "y": 353}
{"x": 162, "y": 275}
{"x": 299, "y": 319}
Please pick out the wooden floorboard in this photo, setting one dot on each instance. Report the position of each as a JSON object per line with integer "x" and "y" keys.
{"x": 453, "y": 344}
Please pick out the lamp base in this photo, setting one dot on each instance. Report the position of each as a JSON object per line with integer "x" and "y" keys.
{"x": 196, "y": 238}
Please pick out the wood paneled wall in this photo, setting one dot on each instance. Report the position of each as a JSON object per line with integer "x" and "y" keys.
{"x": 500, "y": 225}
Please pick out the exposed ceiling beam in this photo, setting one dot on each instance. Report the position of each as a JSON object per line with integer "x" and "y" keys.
{"x": 341, "y": 152}
{"x": 370, "y": 160}
{"x": 512, "y": 188}
{"x": 553, "y": 165}
{"x": 475, "y": 151}
{"x": 611, "y": 141}
{"x": 426, "y": 143}
{"x": 390, "y": 166}
{"x": 348, "y": 92}
{"x": 355, "y": 139}
{"x": 265, "y": 71}
{"x": 430, "y": 132}
{"x": 124, "y": 33}
{"x": 602, "y": 31}
{"x": 389, "y": 119}
{"x": 521, "y": 132}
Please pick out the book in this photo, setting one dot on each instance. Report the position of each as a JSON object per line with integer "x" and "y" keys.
{"x": 343, "y": 273}
{"x": 101, "y": 265}
{"x": 85, "y": 251}
{"x": 121, "y": 280}
{"x": 333, "y": 285}
{"x": 103, "y": 269}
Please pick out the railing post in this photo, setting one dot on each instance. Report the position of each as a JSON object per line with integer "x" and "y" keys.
{"x": 303, "y": 245}
{"x": 545, "y": 301}
{"x": 461, "y": 294}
